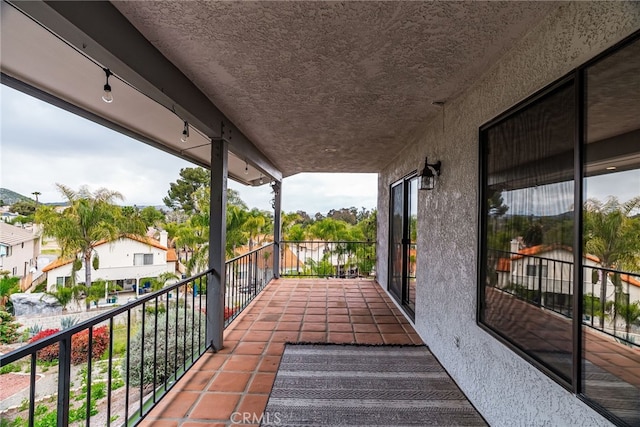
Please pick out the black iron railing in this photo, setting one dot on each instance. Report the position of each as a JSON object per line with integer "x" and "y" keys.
{"x": 548, "y": 283}
{"x": 139, "y": 351}
{"x": 246, "y": 275}
{"x": 327, "y": 259}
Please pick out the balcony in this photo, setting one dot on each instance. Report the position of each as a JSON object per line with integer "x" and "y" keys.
{"x": 238, "y": 379}
{"x": 169, "y": 373}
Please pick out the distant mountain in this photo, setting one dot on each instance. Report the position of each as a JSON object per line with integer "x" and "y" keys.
{"x": 9, "y": 197}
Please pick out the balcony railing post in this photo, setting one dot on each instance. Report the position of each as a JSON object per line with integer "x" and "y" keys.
{"x": 540, "y": 303}
{"x": 64, "y": 380}
{"x": 277, "y": 227}
{"x": 217, "y": 237}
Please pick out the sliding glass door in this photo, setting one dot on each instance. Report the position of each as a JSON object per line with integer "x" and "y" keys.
{"x": 403, "y": 234}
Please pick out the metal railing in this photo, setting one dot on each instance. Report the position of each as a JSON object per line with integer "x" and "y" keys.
{"x": 548, "y": 283}
{"x": 246, "y": 275}
{"x": 340, "y": 259}
{"x": 139, "y": 351}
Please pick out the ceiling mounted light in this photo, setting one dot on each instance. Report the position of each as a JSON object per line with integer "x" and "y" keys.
{"x": 261, "y": 179}
{"x": 107, "y": 96}
{"x": 429, "y": 175}
{"x": 185, "y": 132}
{"x": 246, "y": 168}
{"x": 611, "y": 168}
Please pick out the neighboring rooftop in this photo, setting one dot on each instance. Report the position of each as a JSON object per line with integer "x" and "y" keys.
{"x": 11, "y": 235}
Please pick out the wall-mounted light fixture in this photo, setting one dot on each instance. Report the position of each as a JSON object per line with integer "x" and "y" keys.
{"x": 107, "y": 96}
{"x": 185, "y": 132}
{"x": 429, "y": 175}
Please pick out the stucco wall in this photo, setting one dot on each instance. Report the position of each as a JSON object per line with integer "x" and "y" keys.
{"x": 116, "y": 262}
{"x": 505, "y": 388}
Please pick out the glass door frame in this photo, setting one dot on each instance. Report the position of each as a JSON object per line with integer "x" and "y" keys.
{"x": 405, "y": 254}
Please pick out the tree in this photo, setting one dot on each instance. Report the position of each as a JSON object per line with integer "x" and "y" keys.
{"x": 534, "y": 235}
{"x": 180, "y": 192}
{"x": 36, "y": 193}
{"x": 23, "y": 207}
{"x": 151, "y": 216}
{"x": 233, "y": 199}
{"x": 89, "y": 219}
{"x": 236, "y": 235}
{"x": 329, "y": 229}
{"x": 369, "y": 225}
{"x": 612, "y": 235}
{"x": 255, "y": 226}
{"x": 347, "y": 215}
{"x": 8, "y": 286}
{"x": 629, "y": 312}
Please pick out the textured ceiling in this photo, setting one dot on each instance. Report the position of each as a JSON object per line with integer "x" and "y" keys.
{"x": 325, "y": 86}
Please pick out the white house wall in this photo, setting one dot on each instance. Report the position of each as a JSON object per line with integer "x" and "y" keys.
{"x": 505, "y": 388}
{"x": 559, "y": 277}
{"x": 23, "y": 258}
{"x": 116, "y": 263}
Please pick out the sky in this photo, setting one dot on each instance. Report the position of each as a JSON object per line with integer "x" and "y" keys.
{"x": 42, "y": 145}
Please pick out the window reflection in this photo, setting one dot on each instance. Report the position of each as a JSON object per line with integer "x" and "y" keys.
{"x": 529, "y": 218}
{"x": 611, "y": 234}
{"x": 528, "y": 263}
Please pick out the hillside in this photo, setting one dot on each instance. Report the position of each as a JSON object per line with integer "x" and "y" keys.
{"x": 9, "y": 197}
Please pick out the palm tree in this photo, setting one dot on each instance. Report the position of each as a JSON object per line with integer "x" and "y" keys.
{"x": 630, "y": 313}
{"x": 236, "y": 235}
{"x": 36, "y": 193}
{"x": 296, "y": 233}
{"x": 91, "y": 218}
{"x": 254, "y": 226}
{"x": 612, "y": 235}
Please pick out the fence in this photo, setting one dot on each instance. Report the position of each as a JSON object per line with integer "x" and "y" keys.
{"x": 340, "y": 259}
{"x": 548, "y": 283}
{"x": 114, "y": 368}
{"x": 246, "y": 275}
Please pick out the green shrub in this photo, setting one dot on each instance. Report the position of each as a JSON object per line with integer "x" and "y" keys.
{"x": 151, "y": 308}
{"x": 173, "y": 343}
{"x": 11, "y": 367}
{"x": 8, "y": 328}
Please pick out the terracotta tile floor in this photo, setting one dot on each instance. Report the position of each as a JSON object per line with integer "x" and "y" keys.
{"x": 237, "y": 380}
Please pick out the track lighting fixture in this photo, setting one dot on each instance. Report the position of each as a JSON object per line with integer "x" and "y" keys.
{"x": 185, "y": 132}
{"x": 107, "y": 96}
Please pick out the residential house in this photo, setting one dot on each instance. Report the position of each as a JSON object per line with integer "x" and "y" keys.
{"x": 546, "y": 271}
{"x": 19, "y": 249}
{"x": 126, "y": 262}
{"x": 261, "y": 269}
{"x": 343, "y": 258}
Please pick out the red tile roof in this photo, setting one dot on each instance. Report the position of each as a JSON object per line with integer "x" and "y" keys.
{"x": 539, "y": 249}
